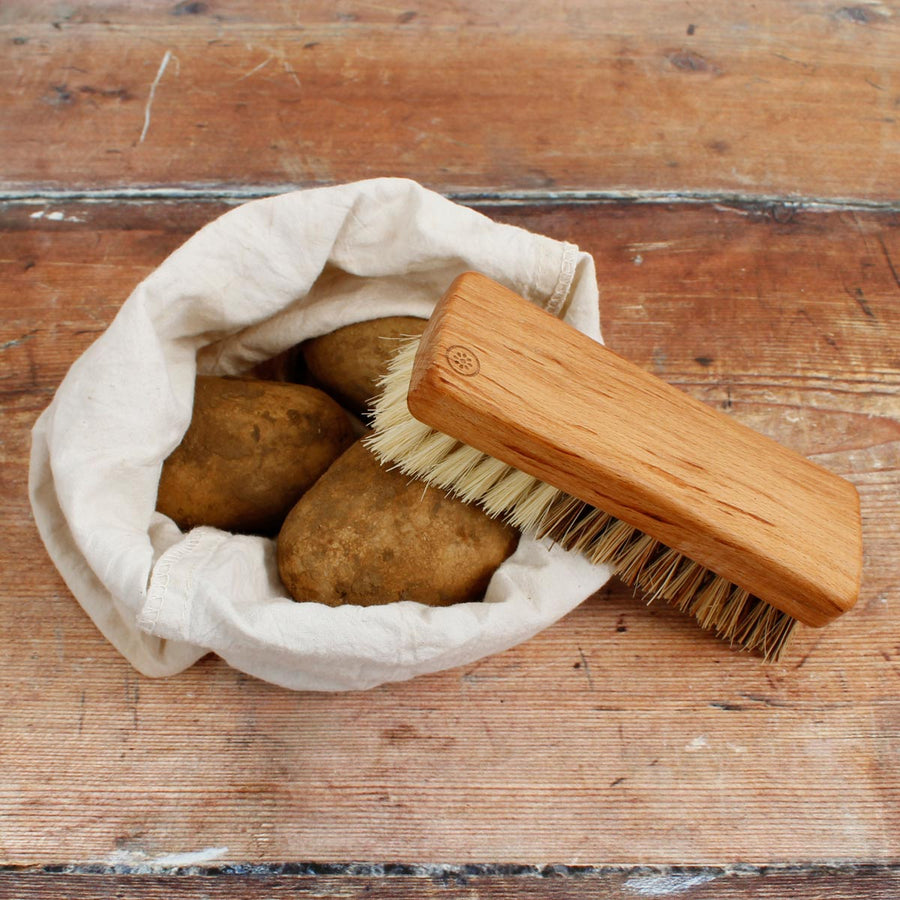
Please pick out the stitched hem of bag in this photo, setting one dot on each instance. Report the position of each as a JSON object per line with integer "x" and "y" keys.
{"x": 564, "y": 280}
{"x": 159, "y": 581}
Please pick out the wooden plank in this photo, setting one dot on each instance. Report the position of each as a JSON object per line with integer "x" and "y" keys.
{"x": 621, "y": 735}
{"x": 619, "y": 97}
{"x": 468, "y": 883}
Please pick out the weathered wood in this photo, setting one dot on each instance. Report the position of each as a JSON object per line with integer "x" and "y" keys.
{"x": 468, "y": 883}
{"x": 621, "y": 735}
{"x": 621, "y": 97}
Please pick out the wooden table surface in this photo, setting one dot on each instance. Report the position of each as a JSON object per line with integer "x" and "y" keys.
{"x": 735, "y": 171}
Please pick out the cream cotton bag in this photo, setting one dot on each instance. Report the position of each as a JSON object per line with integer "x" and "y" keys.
{"x": 260, "y": 279}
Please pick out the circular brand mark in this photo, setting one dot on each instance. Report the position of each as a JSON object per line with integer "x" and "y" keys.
{"x": 463, "y": 360}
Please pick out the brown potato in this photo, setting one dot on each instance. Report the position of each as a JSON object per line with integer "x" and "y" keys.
{"x": 252, "y": 448}
{"x": 348, "y": 362}
{"x": 366, "y": 535}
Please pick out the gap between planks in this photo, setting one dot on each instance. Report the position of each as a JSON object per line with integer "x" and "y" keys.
{"x": 466, "y": 197}
{"x": 499, "y": 881}
{"x": 451, "y": 871}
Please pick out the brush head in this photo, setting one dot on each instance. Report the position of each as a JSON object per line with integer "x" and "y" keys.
{"x": 504, "y": 405}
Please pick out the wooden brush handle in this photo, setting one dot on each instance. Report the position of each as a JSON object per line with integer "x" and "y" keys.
{"x": 502, "y": 375}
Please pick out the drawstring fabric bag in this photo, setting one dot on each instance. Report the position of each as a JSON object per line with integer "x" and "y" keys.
{"x": 253, "y": 283}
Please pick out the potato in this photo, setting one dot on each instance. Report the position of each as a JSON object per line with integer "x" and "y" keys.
{"x": 348, "y": 362}
{"x": 366, "y": 535}
{"x": 252, "y": 448}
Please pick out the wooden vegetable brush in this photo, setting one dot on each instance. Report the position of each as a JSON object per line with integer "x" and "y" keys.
{"x": 503, "y": 404}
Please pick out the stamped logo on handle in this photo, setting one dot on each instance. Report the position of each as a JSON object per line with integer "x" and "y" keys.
{"x": 463, "y": 360}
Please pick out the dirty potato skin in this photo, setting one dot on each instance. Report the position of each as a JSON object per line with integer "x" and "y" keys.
{"x": 252, "y": 448}
{"x": 366, "y": 535}
{"x": 348, "y": 362}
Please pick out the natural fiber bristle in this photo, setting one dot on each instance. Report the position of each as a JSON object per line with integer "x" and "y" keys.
{"x": 534, "y": 507}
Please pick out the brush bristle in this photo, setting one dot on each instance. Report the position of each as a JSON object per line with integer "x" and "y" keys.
{"x": 534, "y": 507}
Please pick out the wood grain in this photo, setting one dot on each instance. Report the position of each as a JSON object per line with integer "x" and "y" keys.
{"x": 548, "y": 400}
{"x": 618, "y": 98}
{"x": 622, "y": 735}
